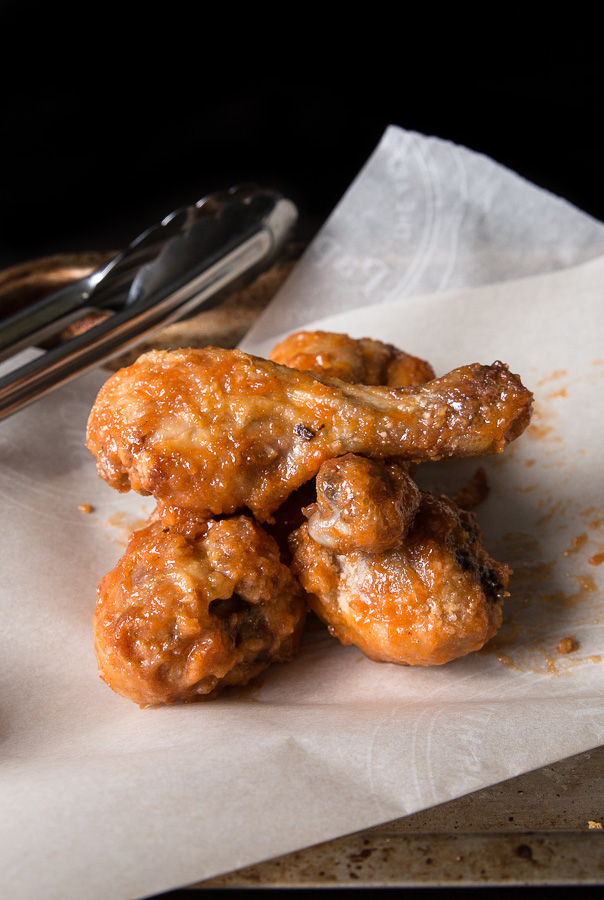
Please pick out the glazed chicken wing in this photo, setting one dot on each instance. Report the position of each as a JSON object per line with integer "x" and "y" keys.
{"x": 189, "y": 610}
{"x": 362, "y": 361}
{"x": 435, "y": 596}
{"x": 215, "y": 431}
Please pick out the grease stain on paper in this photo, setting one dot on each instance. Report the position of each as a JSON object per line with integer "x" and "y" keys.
{"x": 122, "y": 525}
{"x": 535, "y": 583}
{"x": 559, "y": 579}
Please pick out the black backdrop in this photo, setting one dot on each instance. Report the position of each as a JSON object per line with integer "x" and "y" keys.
{"x": 113, "y": 114}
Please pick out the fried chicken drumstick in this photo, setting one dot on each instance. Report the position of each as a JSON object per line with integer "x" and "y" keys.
{"x": 362, "y": 361}
{"x": 431, "y": 596}
{"x": 215, "y": 431}
{"x": 183, "y": 615}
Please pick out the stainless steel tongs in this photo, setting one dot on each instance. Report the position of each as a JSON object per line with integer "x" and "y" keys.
{"x": 169, "y": 271}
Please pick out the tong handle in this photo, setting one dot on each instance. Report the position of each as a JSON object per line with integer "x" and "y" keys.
{"x": 42, "y": 319}
{"x": 163, "y": 293}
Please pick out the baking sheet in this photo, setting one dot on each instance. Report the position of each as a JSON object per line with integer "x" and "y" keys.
{"x": 99, "y": 795}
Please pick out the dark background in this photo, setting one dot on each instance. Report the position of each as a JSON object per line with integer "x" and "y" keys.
{"x": 114, "y": 114}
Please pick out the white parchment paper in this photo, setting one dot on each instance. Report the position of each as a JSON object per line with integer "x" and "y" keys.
{"x": 425, "y": 215}
{"x": 101, "y": 798}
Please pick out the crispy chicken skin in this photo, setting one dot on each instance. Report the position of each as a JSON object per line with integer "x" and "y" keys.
{"x": 434, "y": 597}
{"x": 362, "y": 361}
{"x": 215, "y": 431}
{"x": 189, "y": 610}
{"x": 362, "y": 504}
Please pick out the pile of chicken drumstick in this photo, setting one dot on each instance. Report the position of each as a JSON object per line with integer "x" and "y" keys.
{"x": 286, "y": 484}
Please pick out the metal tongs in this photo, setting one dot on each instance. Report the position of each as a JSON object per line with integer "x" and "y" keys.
{"x": 172, "y": 269}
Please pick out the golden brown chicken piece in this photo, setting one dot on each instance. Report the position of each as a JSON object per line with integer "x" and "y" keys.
{"x": 362, "y": 361}
{"x": 362, "y": 504}
{"x": 182, "y": 615}
{"x": 434, "y": 597}
{"x": 215, "y": 430}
